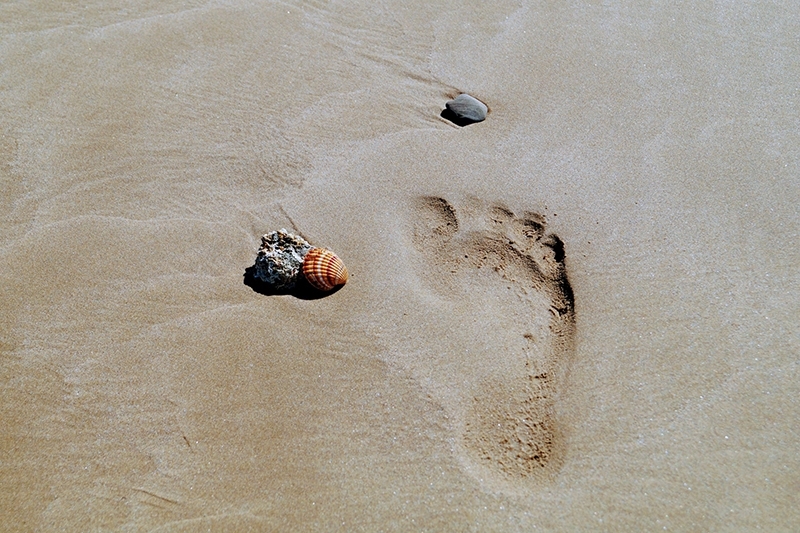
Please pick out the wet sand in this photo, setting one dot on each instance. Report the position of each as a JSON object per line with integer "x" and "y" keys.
{"x": 578, "y": 314}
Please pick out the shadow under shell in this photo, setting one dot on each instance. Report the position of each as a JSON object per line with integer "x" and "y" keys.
{"x": 302, "y": 288}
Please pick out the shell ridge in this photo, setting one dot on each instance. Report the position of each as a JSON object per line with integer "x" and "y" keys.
{"x": 323, "y": 269}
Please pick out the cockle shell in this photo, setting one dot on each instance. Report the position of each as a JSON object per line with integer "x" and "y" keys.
{"x": 323, "y": 269}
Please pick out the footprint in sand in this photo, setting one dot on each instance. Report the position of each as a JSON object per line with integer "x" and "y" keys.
{"x": 505, "y": 281}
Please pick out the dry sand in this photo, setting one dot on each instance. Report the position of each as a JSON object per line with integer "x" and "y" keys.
{"x": 580, "y": 314}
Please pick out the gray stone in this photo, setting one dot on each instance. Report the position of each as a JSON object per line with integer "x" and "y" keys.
{"x": 466, "y": 108}
{"x": 280, "y": 259}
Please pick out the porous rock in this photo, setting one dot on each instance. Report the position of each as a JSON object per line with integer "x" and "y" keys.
{"x": 280, "y": 259}
{"x": 467, "y": 109}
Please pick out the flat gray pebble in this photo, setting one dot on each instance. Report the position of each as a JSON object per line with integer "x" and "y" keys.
{"x": 465, "y": 107}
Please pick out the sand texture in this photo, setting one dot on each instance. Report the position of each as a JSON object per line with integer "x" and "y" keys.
{"x": 580, "y": 314}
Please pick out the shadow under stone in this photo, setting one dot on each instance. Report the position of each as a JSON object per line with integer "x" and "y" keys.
{"x": 455, "y": 119}
{"x": 302, "y": 289}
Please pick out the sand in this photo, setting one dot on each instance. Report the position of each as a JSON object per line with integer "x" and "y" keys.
{"x": 579, "y": 314}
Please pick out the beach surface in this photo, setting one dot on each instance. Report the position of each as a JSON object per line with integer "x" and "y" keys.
{"x": 580, "y": 314}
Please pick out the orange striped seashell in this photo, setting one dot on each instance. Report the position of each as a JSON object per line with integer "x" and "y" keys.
{"x": 323, "y": 269}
